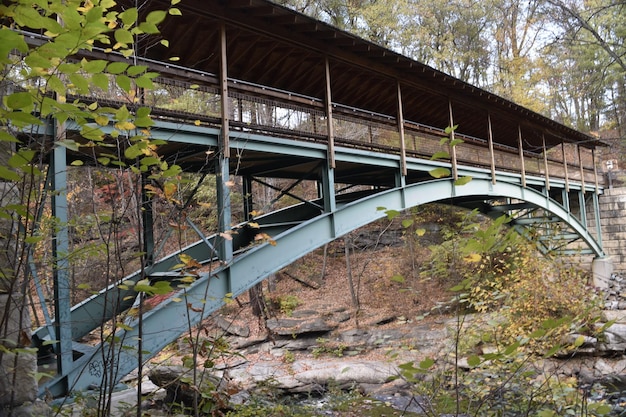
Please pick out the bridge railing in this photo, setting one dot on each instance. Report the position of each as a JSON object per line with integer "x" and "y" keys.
{"x": 185, "y": 95}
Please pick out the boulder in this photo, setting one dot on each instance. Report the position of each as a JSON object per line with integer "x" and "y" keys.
{"x": 179, "y": 385}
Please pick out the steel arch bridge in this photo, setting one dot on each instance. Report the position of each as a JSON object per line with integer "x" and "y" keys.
{"x": 285, "y": 96}
{"x": 234, "y": 266}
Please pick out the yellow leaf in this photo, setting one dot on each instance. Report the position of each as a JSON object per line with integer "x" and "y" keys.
{"x": 197, "y": 123}
{"x": 473, "y": 257}
{"x": 254, "y": 225}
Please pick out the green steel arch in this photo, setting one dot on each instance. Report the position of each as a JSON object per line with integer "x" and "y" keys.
{"x": 305, "y": 231}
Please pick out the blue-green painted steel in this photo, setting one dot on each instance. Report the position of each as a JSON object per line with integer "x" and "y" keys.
{"x": 297, "y": 231}
{"x": 60, "y": 252}
{"x": 293, "y": 239}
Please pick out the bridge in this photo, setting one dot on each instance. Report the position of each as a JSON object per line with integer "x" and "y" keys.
{"x": 265, "y": 92}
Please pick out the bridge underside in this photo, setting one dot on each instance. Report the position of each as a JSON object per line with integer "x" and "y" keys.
{"x": 351, "y": 196}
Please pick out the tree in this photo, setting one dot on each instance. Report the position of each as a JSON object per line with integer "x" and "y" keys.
{"x": 47, "y": 83}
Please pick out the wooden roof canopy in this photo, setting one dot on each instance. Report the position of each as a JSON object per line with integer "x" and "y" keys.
{"x": 275, "y": 46}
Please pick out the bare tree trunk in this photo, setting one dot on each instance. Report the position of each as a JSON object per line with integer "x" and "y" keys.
{"x": 256, "y": 299}
{"x": 323, "y": 273}
{"x": 355, "y": 300}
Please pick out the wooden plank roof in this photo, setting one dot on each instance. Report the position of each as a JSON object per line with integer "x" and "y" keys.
{"x": 275, "y": 46}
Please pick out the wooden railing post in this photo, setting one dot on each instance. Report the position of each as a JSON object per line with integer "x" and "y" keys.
{"x": 545, "y": 161}
{"x": 455, "y": 173}
{"x": 565, "y": 167}
{"x": 520, "y": 145}
{"x": 582, "y": 168}
{"x": 492, "y": 157}
{"x": 329, "y": 117}
{"x": 400, "y": 120}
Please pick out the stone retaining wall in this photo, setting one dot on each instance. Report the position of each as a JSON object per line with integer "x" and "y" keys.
{"x": 613, "y": 222}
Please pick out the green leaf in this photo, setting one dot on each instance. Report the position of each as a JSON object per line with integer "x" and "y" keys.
{"x": 449, "y": 129}
{"x": 123, "y": 36}
{"x": 135, "y": 70}
{"x": 69, "y": 144}
{"x": 7, "y": 137}
{"x": 420, "y": 232}
{"x": 174, "y": 12}
{"x": 155, "y": 17}
{"x": 93, "y": 67}
{"x": 537, "y": 334}
{"x": 427, "y": 363}
{"x": 398, "y": 278}
{"x": 144, "y": 82}
{"x": 580, "y": 340}
{"x": 129, "y": 16}
{"x": 473, "y": 361}
{"x": 117, "y": 67}
{"x": 77, "y": 163}
{"x": 80, "y": 82}
{"x": 440, "y": 172}
{"x": 124, "y": 82}
{"x": 455, "y": 142}
{"x": 21, "y": 158}
{"x": 440, "y": 155}
{"x": 392, "y": 214}
{"x": 7, "y": 174}
{"x": 148, "y": 28}
{"x": 21, "y": 100}
{"x": 463, "y": 180}
{"x": 407, "y": 223}
{"x": 9, "y": 40}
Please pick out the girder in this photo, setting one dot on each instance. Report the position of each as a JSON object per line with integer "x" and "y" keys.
{"x": 297, "y": 231}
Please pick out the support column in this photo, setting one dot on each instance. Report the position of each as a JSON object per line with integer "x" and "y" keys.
{"x": 60, "y": 251}
{"x": 328, "y": 189}
{"x": 545, "y": 162}
{"x": 329, "y": 116}
{"x": 520, "y": 145}
{"x": 583, "y": 207}
{"x": 595, "y": 170}
{"x": 222, "y": 177}
{"x": 582, "y": 168}
{"x": 248, "y": 202}
{"x": 565, "y": 166}
{"x": 455, "y": 172}
{"x": 492, "y": 158}
{"x": 400, "y": 120}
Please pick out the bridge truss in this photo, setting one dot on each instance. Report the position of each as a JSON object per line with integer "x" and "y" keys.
{"x": 360, "y": 121}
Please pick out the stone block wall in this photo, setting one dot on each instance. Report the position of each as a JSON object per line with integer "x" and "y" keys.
{"x": 613, "y": 222}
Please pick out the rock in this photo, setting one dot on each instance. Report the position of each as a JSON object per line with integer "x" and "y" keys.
{"x": 178, "y": 383}
{"x": 37, "y": 408}
{"x": 618, "y": 316}
{"x": 295, "y": 327}
{"x": 231, "y": 327}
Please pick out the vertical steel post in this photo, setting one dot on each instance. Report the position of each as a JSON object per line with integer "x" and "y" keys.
{"x": 583, "y": 208}
{"x": 565, "y": 166}
{"x": 596, "y": 209}
{"x": 60, "y": 252}
{"x": 492, "y": 157}
{"x": 328, "y": 189}
{"x": 225, "y": 244}
{"x": 329, "y": 116}
{"x": 400, "y": 120}
{"x": 595, "y": 170}
{"x": 248, "y": 202}
{"x": 455, "y": 173}
{"x": 520, "y": 145}
{"x": 545, "y": 162}
{"x": 582, "y": 168}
